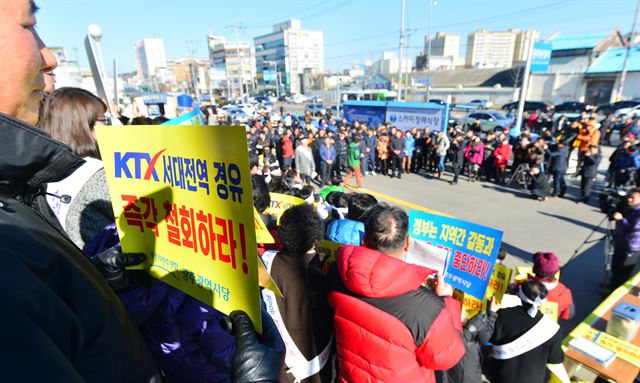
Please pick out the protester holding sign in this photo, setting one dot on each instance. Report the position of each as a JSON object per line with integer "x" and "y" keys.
{"x": 302, "y": 316}
{"x": 477, "y": 332}
{"x": 524, "y": 340}
{"x": 545, "y": 269}
{"x": 388, "y": 326}
{"x": 61, "y": 319}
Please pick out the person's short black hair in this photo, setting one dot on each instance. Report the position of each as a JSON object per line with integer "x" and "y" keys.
{"x": 634, "y": 191}
{"x": 359, "y": 204}
{"x": 300, "y": 229}
{"x": 338, "y": 199}
{"x": 260, "y": 193}
{"x": 532, "y": 288}
{"x": 386, "y": 228}
{"x": 159, "y": 120}
{"x": 305, "y": 192}
{"x": 502, "y": 252}
{"x": 279, "y": 185}
{"x": 141, "y": 121}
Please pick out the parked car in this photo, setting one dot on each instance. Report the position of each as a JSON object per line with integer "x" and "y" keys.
{"x": 611, "y": 108}
{"x": 296, "y": 99}
{"x": 238, "y": 115}
{"x": 634, "y": 111}
{"x": 248, "y": 109}
{"x": 437, "y": 101}
{"x": 315, "y": 109}
{"x": 530, "y": 106}
{"x": 489, "y": 120}
{"x": 481, "y": 104}
{"x": 573, "y": 107}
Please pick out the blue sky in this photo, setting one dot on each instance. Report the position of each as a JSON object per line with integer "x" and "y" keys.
{"x": 354, "y": 30}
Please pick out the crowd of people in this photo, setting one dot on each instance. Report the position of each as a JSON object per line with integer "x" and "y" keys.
{"x": 76, "y": 312}
{"x": 538, "y": 158}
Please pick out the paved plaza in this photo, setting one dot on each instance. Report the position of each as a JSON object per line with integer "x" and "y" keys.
{"x": 558, "y": 225}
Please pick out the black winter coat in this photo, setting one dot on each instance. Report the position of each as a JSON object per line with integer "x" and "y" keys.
{"x": 62, "y": 321}
{"x": 477, "y": 332}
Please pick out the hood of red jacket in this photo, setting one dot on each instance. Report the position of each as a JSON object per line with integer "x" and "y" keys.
{"x": 373, "y": 274}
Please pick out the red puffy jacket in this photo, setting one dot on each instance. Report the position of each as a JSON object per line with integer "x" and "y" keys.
{"x": 559, "y": 293}
{"x": 388, "y": 327}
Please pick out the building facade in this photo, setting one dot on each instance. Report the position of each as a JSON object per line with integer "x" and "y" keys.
{"x": 150, "y": 58}
{"x": 487, "y": 49}
{"x": 443, "y": 45}
{"x": 283, "y": 55}
{"x": 233, "y": 65}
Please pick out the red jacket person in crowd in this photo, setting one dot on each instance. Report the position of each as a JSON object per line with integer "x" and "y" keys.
{"x": 389, "y": 328}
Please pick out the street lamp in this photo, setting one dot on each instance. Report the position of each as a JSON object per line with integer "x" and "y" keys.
{"x": 460, "y": 89}
{"x": 94, "y": 33}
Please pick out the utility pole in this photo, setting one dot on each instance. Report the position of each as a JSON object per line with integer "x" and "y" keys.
{"x": 115, "y": 84}
{"x": 525, "y": 87}
{"x": 623, "y": 75}
{"x": 429, "y": 49}
{"x": 191, "y": 46}
{"x": 401, "y": 53}
{"x": 239, "y": 57}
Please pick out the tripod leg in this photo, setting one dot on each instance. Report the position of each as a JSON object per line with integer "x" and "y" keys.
{"x": 515, "y": 174}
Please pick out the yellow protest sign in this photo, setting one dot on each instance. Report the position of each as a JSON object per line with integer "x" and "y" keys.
{"x": 550, "y": 309}
{"x": 329, "y": 250}
{"x": 523, "y": 272}
{"x": 282, "y": 202}
{"x": 262, "y": 232}
{"x": 182, "y": 195}
{"x": 498, "y": 283}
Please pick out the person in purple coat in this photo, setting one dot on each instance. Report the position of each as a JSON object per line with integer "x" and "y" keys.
{"x": 627, "y": 241}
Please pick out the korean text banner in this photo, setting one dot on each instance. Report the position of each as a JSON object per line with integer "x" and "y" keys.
{"x": 471, "y": 249}
{"x": 182, "y": 195}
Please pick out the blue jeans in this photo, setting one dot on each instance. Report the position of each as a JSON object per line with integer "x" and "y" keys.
{"x": 441, "y": 163}
{"x": 286, "y": 162}
{"x": 369, "y": 161}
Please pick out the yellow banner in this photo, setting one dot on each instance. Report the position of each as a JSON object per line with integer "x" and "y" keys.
{"x": 281, "y": 202}
{"x": 262, "y": 232}
{"x": 182, "y": 195}
{"x": 623, "y": 349}
{"x": 498, "y": 283}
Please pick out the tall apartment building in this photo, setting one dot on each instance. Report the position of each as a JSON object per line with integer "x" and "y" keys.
{"x": 150, "y": 57}
{"x": 284, "y": 54}
{"x": 523, "y": 41}
{"x": 498, "y": 49}
{"x": 443, "y": 44}
{"x": 233, "y": 63}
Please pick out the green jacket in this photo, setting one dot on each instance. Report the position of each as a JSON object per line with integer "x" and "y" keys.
{"x": 354, "y": 155}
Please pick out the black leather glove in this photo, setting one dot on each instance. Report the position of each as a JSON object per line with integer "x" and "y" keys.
{"x": 256, "y": 360}
{"x": 112, "y": 263}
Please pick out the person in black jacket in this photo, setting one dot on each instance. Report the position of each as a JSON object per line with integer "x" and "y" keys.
{"x": 477, "y": 332}
{"x": 63, "y": 321}
{"x": 589, "y": 171}
{"x": 539, "y": 184}
{"x": 457, "y": 158}
{"x": 558, "y": 159}
{"x": 395, "y": 153}
{"x": 513, "y": 359}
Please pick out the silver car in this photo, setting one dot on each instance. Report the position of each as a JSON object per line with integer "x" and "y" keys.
{"x": 489, "y": 120}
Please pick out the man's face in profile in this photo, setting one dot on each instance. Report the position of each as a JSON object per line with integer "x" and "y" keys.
{"x": 24, "y": 60}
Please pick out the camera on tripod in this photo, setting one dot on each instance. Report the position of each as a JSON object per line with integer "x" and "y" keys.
{"x": 613, "y": 201}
